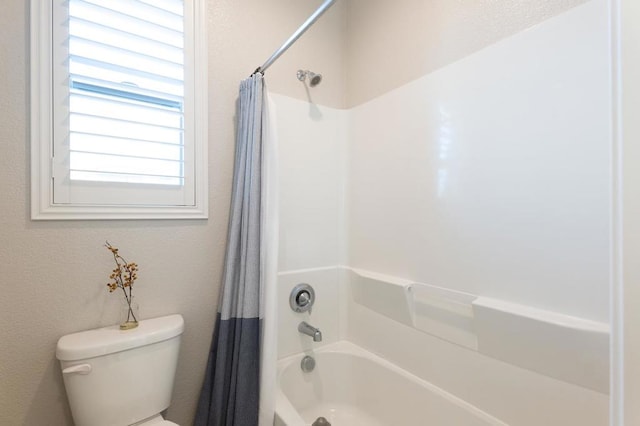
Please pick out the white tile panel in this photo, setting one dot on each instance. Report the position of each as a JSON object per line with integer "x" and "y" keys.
{"x": 567, "y": 348}
{"x": 491, "y": 176}
{"x": 312, "y": 140}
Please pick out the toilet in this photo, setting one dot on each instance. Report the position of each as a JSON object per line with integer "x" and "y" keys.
{"x": 119, "y": 378}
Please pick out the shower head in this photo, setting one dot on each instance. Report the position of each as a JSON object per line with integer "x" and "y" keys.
{"x": 314, "y": 79}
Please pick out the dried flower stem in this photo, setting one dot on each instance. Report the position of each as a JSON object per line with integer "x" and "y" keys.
{"x": 123, "y": 277}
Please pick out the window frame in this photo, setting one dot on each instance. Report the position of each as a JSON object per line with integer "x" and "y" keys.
{"x": 42, "y": 126}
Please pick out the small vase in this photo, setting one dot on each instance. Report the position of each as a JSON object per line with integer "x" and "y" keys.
{"x": 129, "y": 314}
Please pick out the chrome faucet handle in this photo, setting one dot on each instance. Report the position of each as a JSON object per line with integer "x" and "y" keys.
{"x": 301, "y": 298}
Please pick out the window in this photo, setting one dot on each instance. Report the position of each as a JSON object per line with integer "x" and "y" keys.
{"x": 118, "y": 129}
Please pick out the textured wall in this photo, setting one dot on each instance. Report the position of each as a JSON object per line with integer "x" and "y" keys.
{"x": 392, "y": 43}
{"x": 53, "y": 274}
{"x": 244, "y": 33}
{"x": 629, "y": 128}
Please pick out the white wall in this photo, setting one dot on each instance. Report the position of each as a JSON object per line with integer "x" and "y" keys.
{"x": 312, "y": 145}
{"x": 491, "y": 175}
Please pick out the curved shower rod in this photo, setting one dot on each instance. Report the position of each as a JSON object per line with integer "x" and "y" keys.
{"x": 295, "y": 36}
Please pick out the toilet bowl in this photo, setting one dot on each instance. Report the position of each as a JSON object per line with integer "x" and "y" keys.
{"x": 121, "y": 377}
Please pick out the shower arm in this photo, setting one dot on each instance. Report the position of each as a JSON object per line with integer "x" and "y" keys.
{"x": 295, "y": 36}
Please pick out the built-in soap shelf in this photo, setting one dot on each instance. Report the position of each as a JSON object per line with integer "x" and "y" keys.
{"x": 444, "y": 313}
{"x": 571, "y": 349}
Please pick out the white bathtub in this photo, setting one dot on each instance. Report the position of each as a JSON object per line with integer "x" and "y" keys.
{"x": 352, "y": 387}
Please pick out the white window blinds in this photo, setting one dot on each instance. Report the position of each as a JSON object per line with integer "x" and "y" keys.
{"x": 126, "y": 94}
{"x": 118, "y": 129}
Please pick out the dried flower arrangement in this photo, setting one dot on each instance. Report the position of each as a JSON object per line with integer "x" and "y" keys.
{"x": 123, "y": 277}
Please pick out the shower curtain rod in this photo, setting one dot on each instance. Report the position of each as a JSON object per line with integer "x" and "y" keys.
{"x": 287, "y": 44}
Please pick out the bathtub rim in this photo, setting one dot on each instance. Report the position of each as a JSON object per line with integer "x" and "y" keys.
{"x": 286, "y": 413}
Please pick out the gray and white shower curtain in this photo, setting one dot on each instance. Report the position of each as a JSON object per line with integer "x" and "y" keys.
{"x": 239, "y": 383}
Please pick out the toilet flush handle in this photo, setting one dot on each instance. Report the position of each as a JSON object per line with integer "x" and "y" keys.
{"x": 78, "y": 369}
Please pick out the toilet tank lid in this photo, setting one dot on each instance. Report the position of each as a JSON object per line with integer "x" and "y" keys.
{"x": 108, "y": 340}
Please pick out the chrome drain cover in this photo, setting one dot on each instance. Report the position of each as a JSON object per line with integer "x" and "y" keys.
{"x": 321, "y": 421}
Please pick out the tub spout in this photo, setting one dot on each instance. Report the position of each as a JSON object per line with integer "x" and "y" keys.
{"x": 307, "y": 329}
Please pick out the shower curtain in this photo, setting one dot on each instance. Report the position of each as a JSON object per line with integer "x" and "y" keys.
{"x": 239, "y": 382}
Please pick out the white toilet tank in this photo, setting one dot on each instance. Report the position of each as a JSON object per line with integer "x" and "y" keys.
{"x": 116, "y": 377}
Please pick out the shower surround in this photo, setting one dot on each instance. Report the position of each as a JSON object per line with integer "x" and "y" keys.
{"x": 485, "y": 182}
